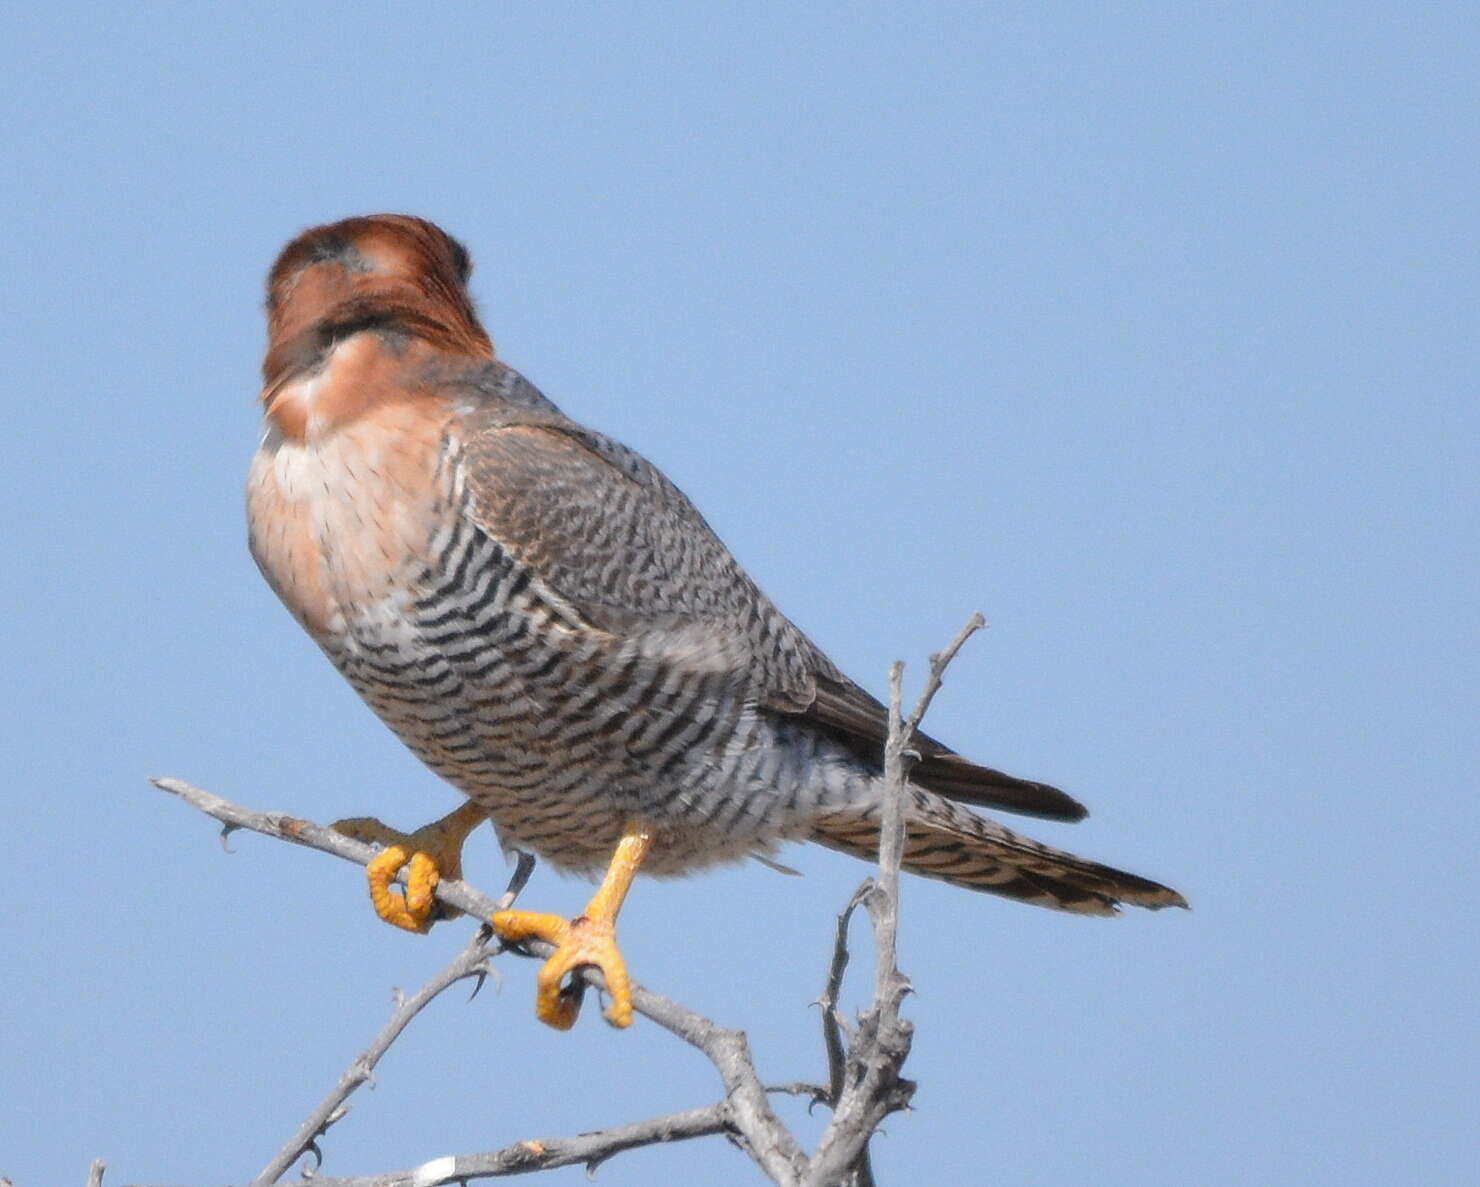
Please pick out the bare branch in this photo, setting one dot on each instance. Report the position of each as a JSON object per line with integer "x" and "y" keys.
{"x": 832, "y": 1022}
{"x": 864, "y": 1085}
{"x": 472, "y": 961}
{"x": 95, "y": 1173}
{"x": 758, "y": 1131}
{"x": 541, "y": 1154}
{"x": 313, "y": 836}
{"x": 756, "y": 1128}
{"x": 871, "y": 1086}
{"x": 818, "y": 1092}
{"x": 883, "y": 903}
{"x": 939, "y": 662}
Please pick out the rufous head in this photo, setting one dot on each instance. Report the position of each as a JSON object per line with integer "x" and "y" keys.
{"x": 390, "y": 271}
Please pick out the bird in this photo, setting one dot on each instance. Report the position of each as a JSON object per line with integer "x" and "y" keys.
{"x": 550, "y": 625}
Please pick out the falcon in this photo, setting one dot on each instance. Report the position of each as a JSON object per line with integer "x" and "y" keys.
{"x": 549, "y": 625}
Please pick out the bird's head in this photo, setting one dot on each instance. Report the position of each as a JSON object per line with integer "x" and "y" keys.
{"x": 385, "y": 272}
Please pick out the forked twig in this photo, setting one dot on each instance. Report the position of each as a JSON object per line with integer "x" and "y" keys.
{"x": 472, "y": 961}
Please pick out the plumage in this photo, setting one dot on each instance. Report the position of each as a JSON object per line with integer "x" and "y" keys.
{"x": 550, "y": 625}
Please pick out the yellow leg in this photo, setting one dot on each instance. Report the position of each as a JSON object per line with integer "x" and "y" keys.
{"x": 428, "y": 855}
{"x": 589, "y": 939}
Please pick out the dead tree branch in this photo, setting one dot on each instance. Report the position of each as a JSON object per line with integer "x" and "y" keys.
{"x": 542, "y": 1154}
{"x": 757, "y": 1129}
{"x": 871, "y": 1084}
{"x": 472, "y": 961}
{"x": 863, "y": 1086}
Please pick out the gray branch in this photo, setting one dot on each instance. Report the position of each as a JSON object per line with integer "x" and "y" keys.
{"x": 750, "y": 1120}
{"x": 542, "y": 1154}
{"x": 472, "y": 961}
{"x": 870, "y": 1086}
{"x": 864, "y": 1084}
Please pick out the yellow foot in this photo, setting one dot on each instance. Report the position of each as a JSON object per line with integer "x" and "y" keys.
{"x": 427, "y": 855}
{"x": 578, "y": 943}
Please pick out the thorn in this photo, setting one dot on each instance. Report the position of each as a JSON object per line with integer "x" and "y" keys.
{"x": 483, "y": 973}
{"x": 226, "y": 831}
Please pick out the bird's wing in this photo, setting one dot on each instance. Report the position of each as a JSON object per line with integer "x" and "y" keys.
{"x": 863, "y": 723}
{"x": 608, "y": 533}
{"x": 621, "y": 545}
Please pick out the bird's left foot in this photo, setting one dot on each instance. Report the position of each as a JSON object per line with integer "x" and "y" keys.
{"x": 428, "y": 855}
{"x": 579, "y": 943}
{"x": 589, "y": 940}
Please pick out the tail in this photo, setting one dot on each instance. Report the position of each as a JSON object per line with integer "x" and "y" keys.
{"x": 945, "y": 841}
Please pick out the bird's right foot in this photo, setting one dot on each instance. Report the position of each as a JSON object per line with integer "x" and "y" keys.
{"x": 428, "y": 855}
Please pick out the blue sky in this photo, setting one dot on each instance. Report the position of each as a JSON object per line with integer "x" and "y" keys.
{"x": 1148, "y": 330}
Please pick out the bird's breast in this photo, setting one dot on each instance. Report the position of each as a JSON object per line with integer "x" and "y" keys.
{"x": 340, "y": 521}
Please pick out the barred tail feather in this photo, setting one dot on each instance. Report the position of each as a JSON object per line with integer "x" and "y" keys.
{"x": 947, "y": 842}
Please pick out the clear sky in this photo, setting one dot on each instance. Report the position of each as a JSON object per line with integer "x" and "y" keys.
{"x": 1149, "y": 330}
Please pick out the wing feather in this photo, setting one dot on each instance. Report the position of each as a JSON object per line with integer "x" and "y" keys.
{"x": 607, "y": 532}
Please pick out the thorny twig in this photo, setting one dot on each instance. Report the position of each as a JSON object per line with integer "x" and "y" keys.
{"x": 864, "y": 1085}
{"x": 542, "y": 1154}
{"x": 751, "y": 1121}
{"x": 472, "y": 961}
{"x": 832, "y": 1022}
{"x": 871, "y": 1086}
